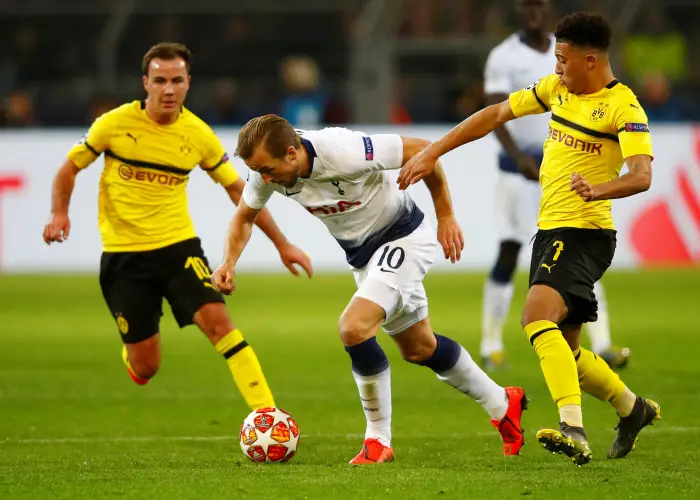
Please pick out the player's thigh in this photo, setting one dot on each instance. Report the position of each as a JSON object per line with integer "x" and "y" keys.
{"x": 506, "y": 217}
{"x": 393, "y": 279}
{"x": 188, "y": 286}
{"x": 570, "y": 261}
{"x": 132, "y": 294}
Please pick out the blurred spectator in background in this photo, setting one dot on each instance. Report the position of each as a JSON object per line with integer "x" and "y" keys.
{"x": 419, "y": 20}
{"x": 19, "y": 110}
{"x": 229, "y": 108}
{"x": 303, "y": 103}
{"x": 49, "y": 70}
{"x": 660, "y": 104}
{"x": 656, "y": 49}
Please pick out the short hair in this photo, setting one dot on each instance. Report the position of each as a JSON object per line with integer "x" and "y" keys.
{"x": 271, "y": 131}
{"x": 584, "y": 29}
{"x": 167, "y": 51}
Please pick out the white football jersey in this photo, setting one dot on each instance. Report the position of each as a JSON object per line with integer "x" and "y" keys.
{"x": 349, "y": 189}
{"x": 513, "y": 65}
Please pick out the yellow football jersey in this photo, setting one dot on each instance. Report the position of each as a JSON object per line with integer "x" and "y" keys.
{"x": 142, "y": 202}
{"x": 590, "y": 134}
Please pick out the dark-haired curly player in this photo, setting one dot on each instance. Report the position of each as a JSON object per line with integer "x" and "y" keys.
{"x": 596, "y": 125}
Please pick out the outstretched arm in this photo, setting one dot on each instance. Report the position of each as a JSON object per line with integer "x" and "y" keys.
{"x": 449, "y": 233}
{"x": 476, "y": 126}
{"x": 289, "y": 254}
{"x": 264, "y": 220}
{"x": 239, "y": 231}
{"x": 527, "y": 165}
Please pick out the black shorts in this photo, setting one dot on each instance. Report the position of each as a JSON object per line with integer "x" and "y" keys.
{"x": 571, "y": 260}
{"x": 135, "y": 283}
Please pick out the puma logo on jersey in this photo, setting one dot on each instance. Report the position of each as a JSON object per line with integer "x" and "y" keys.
{"x": 129, "y": 134}
{"x": 548, "y": 268}
{"x": 561, "y": 101}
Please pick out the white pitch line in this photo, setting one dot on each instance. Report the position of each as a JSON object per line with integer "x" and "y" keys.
{"x": 145, "y": 439}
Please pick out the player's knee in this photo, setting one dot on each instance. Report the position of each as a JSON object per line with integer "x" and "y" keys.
{"x": 352, "y": 332}
{"x": 145, "y": 368}
{"x": 214, "y": 321}
{"x": 543, "y": 303}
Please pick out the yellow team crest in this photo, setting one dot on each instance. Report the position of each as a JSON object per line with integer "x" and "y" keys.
{"x": 597, "y": 114}
{"x": 185, "y": 145}
{"x": 122, "y": 324}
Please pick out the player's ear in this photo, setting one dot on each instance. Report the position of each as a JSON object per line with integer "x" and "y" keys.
{"x": 145, "y": 82}
{"x": 291, "y": 153}
{"x": 591, "y": 60}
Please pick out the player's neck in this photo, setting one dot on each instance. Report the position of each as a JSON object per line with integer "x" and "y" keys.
{"x": 161, "y": 118}
{"x": 599, "y": 81}
{"x": 303, "y": 159}
{"x": 538, "y": 40}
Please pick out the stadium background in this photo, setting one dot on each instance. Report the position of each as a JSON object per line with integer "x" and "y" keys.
{"x": 71, "y": 426}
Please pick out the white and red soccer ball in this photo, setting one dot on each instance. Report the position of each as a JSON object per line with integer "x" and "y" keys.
{"x": 269, "y": 435}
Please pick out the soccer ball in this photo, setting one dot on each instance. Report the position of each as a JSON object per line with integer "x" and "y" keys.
{"x": 269, "y": 435}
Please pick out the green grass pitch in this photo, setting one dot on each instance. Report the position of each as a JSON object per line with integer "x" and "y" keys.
{"x": 73, "y": 425}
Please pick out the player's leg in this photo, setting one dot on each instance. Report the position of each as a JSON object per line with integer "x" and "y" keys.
{"x": 134, "y": 300}
{"x": 390, "y": 275}
{"x": 358, "y": 327}
{"x": 498, "y": 293}
{"x": 498, "y": 289}
{"x": 142, "y": 359}
{"x": 599, "y": 380}
{"x": 599, "y": 333}
{"x": 453, "y": 365}
{"x": 194, "y": 300}
{"x": 545, "y": 308}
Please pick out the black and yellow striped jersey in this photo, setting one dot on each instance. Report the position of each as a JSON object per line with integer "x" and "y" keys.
{"x": 590, "y": 134}
{"x": 142, "y": 202}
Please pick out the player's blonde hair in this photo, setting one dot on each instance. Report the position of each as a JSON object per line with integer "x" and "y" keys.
{"x": 271, "y": 131}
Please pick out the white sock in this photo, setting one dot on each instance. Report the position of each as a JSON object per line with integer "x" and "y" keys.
{"x": 467, "y": 377}
{"x": 599, "y": 332}
{"x": 497, "y": 298}
{"x": 572, "y": 415}
{"x": 375, "y": 393}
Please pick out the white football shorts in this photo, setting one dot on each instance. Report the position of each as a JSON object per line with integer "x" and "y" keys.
{"x": 393, "y": 278}
{"x": 517, "y": 204}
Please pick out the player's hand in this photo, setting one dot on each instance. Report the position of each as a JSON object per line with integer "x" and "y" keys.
{"x": 582, "y": 187}
{"x": 450, "y": 237}
{"x": 222, "y": 278}
{"x": 57, "y": 229}
{"x": 415, "y": 169}
{"x": 292, "y": 255}
{"x": 528, "y": 166}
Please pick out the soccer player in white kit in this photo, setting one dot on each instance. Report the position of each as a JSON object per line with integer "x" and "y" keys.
{"x": 341, "y": 177}
{"x": 522, "y": 58}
